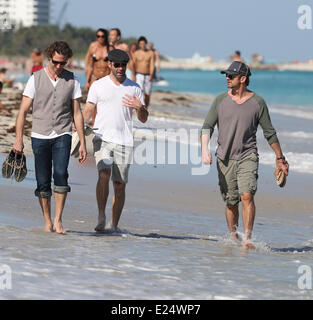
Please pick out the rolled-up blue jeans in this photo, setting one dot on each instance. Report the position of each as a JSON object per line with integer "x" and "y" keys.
{"x": 52, "y": 154}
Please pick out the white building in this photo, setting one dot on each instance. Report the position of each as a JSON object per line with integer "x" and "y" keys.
{"x": 25, "y": 12}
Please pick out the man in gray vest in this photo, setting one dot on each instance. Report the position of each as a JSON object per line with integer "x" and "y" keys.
{"x": 238, "y": 112}
{"x": 54, "y": 94}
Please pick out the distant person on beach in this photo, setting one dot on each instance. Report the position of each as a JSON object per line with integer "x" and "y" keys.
{"x": 6, "y": 83}
{"x": 115, "y": 36}
{"x": 144, "y": 67}
{"x": 2, "y": 107}
{"x": 132, "y": 49}
{"x": 157, "y": 60}
{"x": 37, "y": 59}
{"x": 116, "y": 97}
{"x": 54, "y": 94}
{"x": 96, "y": 65}
{"x": 237, "y": 56}
{"x": 238, "y": 112}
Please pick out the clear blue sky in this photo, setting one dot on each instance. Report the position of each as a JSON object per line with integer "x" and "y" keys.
{"x": 179, "y": 28}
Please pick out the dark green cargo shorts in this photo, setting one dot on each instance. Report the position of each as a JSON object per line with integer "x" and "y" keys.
{"x": 237, "y": 177}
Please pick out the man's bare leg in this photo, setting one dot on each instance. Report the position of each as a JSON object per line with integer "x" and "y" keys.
{"x": 248, "y": 215}
{"x": 45, "y": 204}
{"x": 102, "y": 193}
{"x": 232, "y": 217}
{"x": 118, "y": 202}
{"x": 59, "y": 206}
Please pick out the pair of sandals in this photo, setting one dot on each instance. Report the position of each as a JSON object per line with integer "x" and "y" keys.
{"x": 15, "y": 162}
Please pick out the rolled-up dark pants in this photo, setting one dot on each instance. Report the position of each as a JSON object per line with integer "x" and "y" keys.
{"x": 52, "y": 154}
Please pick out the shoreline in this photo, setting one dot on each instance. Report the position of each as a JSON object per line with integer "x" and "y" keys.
{"x": 163, "y": 105}
{"x": 203, "y": 63}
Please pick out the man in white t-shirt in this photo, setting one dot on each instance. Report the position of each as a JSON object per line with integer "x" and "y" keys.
{"x": 115, "y": 97}
{"x": 53, "y": 93}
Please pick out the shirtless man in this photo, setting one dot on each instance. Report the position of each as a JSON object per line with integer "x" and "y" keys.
{"x": 144, "y": 67}
{"x": 96, "y": 67}
{"x": 115, "y": 42}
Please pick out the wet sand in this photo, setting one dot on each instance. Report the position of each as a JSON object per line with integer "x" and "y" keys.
{"x": 173, "y": 232}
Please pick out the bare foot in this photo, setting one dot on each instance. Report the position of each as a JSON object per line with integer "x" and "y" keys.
{"x": 113, "y": 229}
{"x": 58, "y": 227}
{"x": 248, "y": 244}
{"x": 48, "y": 227}
{"x": 234, "y": 236}
{"x": 101, "y": 223}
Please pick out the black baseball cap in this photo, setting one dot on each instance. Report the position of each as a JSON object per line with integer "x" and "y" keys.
{"x": 237, "y": 68}
{"x": 117, "y": 55}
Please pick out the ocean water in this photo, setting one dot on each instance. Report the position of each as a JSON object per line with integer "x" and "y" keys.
{"x": 277, "y": 87}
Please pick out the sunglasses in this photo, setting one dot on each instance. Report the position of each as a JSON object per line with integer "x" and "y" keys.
{"x": 231, "y": 76}
{"x": 118, "y": 64}
{"x": 62, "y": 63}
{"x": 100, "y": 36}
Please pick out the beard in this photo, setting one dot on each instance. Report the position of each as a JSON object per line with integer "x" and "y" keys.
{"x": 120, "y": 76}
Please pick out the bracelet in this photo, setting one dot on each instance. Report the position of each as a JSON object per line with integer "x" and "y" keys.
{"x": 281, "y": 158}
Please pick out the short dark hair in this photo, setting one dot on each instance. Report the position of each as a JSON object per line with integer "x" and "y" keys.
{"x": 238, "y": 53}
{"x": 142, "y": 38}
{"x": 102, "y": 30}
{"x": 3, "y": 70}
{"x": 61, "y": 47}
{"x": 118, "y": 31}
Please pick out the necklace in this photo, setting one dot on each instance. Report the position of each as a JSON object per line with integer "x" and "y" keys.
{"x": 51, "y": 75}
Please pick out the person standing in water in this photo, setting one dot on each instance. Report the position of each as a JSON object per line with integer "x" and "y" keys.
{"x": 116, "y": 97}
{"x": 238, "y": 112}
{"x": 54, "y": 94}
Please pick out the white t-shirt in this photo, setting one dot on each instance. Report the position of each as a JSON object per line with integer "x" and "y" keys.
{"x": 113, "y": 120}
{"x": 30, "y": 92}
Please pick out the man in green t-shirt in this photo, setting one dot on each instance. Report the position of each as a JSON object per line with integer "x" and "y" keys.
{"x": 237, "y": 113}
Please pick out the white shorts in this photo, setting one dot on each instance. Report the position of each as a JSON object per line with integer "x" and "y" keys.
{"x": 144, "y": 83}
{"x": 118, "y": 158}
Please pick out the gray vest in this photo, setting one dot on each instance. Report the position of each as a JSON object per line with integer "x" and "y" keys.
{"x": 52, "y": 106}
